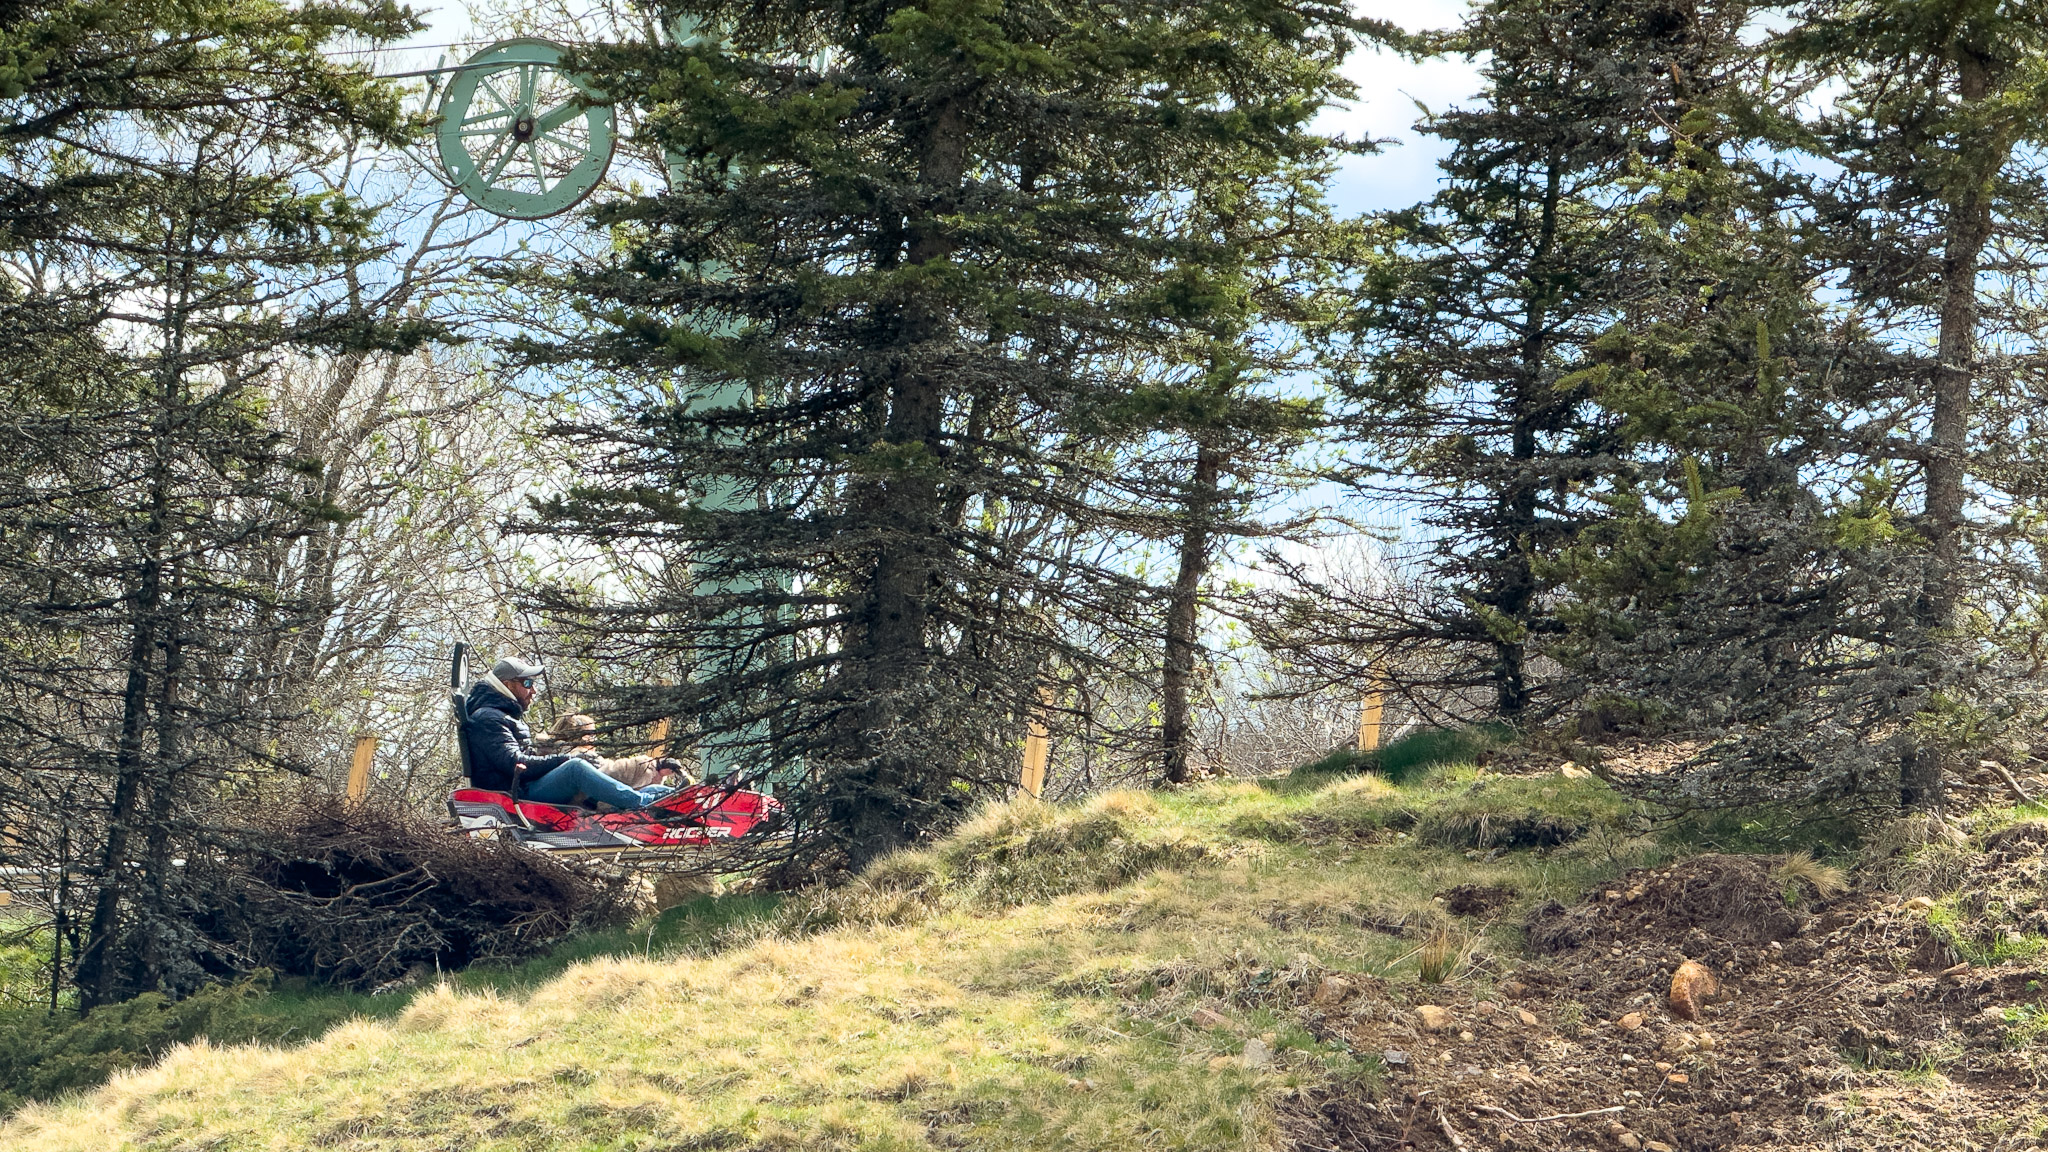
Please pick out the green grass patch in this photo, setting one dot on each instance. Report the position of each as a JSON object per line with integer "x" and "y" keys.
{"x": 696, "y": 926}
{"x": 2025, "y": 1025}
{"x": 46, "y": 1054}
{"x": 1478, "y": 811}
{"x": 1768, "y": 830}
{"x": 1028, "y": 983}
{"x": 1406, "y": 758}
{"x": 1977, "y": 936}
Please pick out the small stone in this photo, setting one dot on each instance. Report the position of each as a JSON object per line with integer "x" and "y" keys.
{"x": 1209, "y": 1018}
{"x": 1629, "y": 1140}
{"x": 1526, "y": 1016}
{"x": 1704, "y": 1042}
{"x": 1256, "y": 1054}
{"x": 1663, "y": 1065}
{"x": 1958, "y": 970}
{"x": 1572, "y": 771}
{"x": 1394, "y": 1058}
{"x": 1677, "y": 1078}
{"x": 1486, "y": 1007}
{"x": 1219, "y": 1063}
{"x": 1513, "y": 989}
{"x": 1625, "y": 1058}
{"x": 1467, "y": 1037}
{"x": 1630, "y": 1022}
{"x": 1433, "y": 1018}
{"x": 1332, "y": 990}
{"x": 1919, "y": 904}
{"x": 1657, "y": 1146}
{"x": 1691, "y": 985}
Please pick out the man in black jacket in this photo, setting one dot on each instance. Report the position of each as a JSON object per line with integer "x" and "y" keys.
{"x": 501, "y": 747}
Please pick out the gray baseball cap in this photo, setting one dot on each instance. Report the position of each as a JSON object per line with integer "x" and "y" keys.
{"x": 513, "y": 668}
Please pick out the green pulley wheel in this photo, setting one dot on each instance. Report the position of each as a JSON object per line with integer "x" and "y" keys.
{"x": 521, "y": 137}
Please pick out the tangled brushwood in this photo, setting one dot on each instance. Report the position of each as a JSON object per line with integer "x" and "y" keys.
{"x": 357, "y": 895}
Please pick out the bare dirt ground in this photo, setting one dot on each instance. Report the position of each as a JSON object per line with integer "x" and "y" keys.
{"x": 1844, "y": 1023}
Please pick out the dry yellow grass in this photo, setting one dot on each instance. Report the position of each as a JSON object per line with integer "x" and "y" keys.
{"x": 1057, "y": 1023}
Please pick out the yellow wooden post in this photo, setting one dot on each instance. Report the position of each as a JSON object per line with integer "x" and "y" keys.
{"x": 1037, "y": 744}
{"x": 1369, "y": 713}
{"x": 359, "y": 768}
{"x": 660, "y": 747}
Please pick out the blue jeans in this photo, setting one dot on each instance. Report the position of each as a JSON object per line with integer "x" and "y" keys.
{"x": 562, "y": 785}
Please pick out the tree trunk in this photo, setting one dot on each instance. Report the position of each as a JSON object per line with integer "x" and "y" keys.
{"x": 1965, "y": 234}
{"x": 1183, "y": 611}
{"x": 877, "y": 807}
{"x": 155, "y": 898}
{"x": 1516, "y": 591}
{"x": 96, "y": 960}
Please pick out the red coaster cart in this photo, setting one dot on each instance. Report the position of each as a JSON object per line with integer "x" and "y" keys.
{"x": 680, "y": 825}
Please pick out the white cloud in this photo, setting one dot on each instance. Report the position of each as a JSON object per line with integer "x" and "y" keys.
{"x": 1389, "y": 85}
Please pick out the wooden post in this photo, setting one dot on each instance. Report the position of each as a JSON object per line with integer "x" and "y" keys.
{"x": 359, "y": 768}
{"x": 1037, "y": 744}
{"x": 660, "y": 734}
{"x": 1369, "y": 713}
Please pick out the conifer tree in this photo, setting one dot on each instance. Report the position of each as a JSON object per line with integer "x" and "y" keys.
{"x": 1794, "y": 566}
{"x": 911, "y": 247}
{"x": 1934, "y": 212}
{"x": 1744, "y": 586}
{"x": 1255, "y": 296}
{"x": 1482, "y": 316}
{"x": 162, "y": 253}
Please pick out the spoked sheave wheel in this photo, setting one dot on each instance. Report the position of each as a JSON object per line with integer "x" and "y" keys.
{"x": 519, "y": 136}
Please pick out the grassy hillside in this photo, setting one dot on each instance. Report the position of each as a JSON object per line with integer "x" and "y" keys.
{"x": 1119, "y": 974}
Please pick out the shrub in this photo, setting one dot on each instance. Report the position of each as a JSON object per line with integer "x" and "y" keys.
{"x": 357, "y": 895}
{"x": 47, "y": 1054}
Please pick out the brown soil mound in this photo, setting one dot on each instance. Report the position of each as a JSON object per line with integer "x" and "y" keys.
{"x": 1726, "y": 900}
{"x": 1840, "y": 1025}
{"x": 1476, "y": 899}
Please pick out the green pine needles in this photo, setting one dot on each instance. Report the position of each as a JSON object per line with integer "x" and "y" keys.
{"x": 929, "y": 283}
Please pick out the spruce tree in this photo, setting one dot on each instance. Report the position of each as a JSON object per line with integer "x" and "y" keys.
{"x": 1820, "y": 556}
{"x": 1934, "y": 208}
{"x": 908, "y": 252}
{"x": 165, "y": 253}
{"x": 1483, "y": 312}
{"x": 1745, "y": 586}
{"x": 1255, "y": 295}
